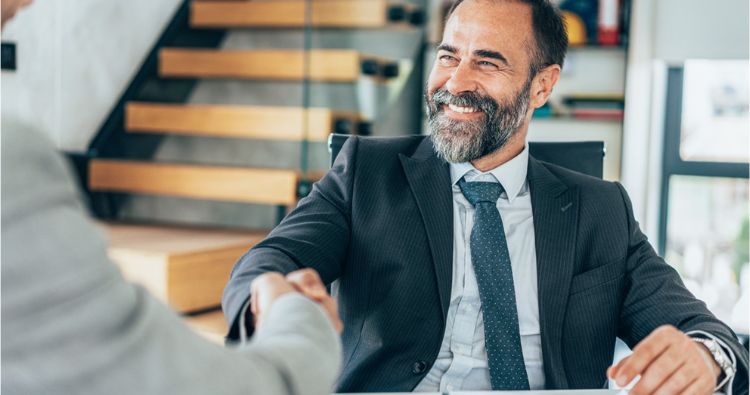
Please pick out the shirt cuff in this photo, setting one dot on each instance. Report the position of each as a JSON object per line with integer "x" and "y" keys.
{"x": 725, "y": 386}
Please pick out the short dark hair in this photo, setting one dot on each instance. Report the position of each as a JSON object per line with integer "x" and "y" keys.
{"x": 549, "y": 33}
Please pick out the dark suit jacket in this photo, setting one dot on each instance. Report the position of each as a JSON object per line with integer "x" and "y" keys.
{"x": 380, "y": 225}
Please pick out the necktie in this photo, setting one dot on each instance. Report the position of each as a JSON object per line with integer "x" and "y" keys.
{"x": 491, "y": 261}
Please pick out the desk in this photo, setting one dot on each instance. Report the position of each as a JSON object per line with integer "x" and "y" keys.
{"x": 551, "y": 392}
{"x": 559, "y": 392}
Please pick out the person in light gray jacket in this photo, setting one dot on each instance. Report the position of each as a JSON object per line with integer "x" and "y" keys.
{"x": 72, "y": 325}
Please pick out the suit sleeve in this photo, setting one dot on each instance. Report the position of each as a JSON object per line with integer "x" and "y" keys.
{"x": 655, "y": 296}
{"x": 73, "y": 325}
{"x": 314, "y": 235}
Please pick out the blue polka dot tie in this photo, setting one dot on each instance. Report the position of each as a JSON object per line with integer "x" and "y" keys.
{"x": 491, "y": 260}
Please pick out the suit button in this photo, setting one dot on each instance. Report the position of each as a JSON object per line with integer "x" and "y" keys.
{"x": 419, "y": 367}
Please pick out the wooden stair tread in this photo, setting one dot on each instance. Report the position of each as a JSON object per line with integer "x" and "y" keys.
{"x": 290, "y": 13}
{"x": 174, "y": 240}
{"x": 260, "y": 122}
{"x": 245, "y": 185}
{"x": 186, "y": 268}
{"x": 334, "y": 65}
{"x": 211, "y": 325}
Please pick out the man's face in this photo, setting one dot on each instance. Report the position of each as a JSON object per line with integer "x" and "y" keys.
{"x": 478, "y": 91}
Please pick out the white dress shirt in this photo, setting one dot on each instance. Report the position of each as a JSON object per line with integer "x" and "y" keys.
{"x": 462, "y": 361}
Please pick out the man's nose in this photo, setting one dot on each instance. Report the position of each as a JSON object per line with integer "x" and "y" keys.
{"x": 462, "y": 79}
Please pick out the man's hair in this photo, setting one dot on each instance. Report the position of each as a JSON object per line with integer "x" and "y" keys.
{"x": 550, "y": 36}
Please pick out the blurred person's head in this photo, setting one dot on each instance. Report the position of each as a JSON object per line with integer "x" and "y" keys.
{"x": 498, "y": 61}
{"x": 10, "y": 7}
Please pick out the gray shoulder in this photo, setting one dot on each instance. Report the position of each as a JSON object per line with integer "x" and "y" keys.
{"x": 31, "y": 168}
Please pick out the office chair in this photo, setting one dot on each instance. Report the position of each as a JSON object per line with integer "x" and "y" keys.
{"x": 585, "y": 157}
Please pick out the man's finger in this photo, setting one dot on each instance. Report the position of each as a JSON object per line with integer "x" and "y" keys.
{"x": 686, "y": 380}
{"x": 643, "y": 354}
{"x": 331, "y": 308}
{"x": 699, "y": 387}
{"x": 682, "y": 379}
{"x": 308, "y": 282}
{"x": 668, "y": 368}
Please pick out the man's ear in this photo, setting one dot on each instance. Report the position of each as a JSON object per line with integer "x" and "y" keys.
{"x": 541, "y": 86}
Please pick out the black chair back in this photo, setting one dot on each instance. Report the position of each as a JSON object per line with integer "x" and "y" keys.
{"x": 585, "y": 157}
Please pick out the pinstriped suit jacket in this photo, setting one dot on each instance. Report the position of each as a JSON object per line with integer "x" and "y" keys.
{"x": 379, "y": 224}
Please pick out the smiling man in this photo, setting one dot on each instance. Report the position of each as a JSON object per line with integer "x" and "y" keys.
{"x": 461, "y": 262}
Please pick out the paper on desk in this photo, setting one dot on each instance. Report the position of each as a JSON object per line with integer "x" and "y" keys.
{"x": 554, "y": 392}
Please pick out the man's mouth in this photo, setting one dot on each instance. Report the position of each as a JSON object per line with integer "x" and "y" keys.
{"x": 463, "y": 110}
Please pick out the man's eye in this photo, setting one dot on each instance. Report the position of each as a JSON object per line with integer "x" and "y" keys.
{"x": 487, "y": 64}
{"x": 447, "y": 59}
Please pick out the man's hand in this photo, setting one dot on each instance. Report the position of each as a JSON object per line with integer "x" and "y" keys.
{"x": 308, "y": 282}
{"x": 264, "y": 290}
{"x": 669, "y": 362}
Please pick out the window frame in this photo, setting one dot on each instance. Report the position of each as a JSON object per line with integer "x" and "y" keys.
{"x": 673, "y": 164}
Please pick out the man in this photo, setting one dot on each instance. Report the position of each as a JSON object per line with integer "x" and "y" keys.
{"x": 463, "y": 263}
{"x": 72, "y": 325}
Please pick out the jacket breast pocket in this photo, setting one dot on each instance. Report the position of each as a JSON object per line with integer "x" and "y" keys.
{"x": 597, "y": 277}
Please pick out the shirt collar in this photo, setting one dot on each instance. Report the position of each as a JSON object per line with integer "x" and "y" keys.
{"x": 511, "y": 174}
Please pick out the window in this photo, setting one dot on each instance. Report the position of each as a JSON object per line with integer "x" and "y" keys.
{"x": 715, "y": 112}
{"x": 704, "y": 210}
{"x": 708, "y": 240}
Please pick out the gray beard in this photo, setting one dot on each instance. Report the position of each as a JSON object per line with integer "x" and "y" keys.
{"x": 464, "y": 141}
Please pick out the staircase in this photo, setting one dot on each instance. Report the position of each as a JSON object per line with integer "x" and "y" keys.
{"x": 187, "y": 266}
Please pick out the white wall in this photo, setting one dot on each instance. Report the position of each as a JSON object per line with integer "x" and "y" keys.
{"x": 700, "y": 29}
{"x": 668, "y": 32}
{"x": 75, "y": 57}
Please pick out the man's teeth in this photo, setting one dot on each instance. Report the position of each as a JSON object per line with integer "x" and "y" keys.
{"x": 461, "y": 109}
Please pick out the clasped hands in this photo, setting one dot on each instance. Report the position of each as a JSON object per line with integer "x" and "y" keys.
{"x": 268, "y": 287}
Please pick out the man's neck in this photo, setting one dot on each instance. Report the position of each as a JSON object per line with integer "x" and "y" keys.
{"x": 510, "y": 150}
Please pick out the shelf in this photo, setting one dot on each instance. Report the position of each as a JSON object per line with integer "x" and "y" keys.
{"x": 596, "y": 47}
{"x": 564, "y": 118}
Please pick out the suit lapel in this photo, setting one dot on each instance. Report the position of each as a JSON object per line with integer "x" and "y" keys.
{"x": 555, "y": 210}
{"x": 429, "y": 180}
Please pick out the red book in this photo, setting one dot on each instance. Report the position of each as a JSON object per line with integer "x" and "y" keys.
{"x": 598, "y": 114}
{"x": 609, "y": 22}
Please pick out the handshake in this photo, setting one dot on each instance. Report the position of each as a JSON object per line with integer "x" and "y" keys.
{"x": 268, "y": 287}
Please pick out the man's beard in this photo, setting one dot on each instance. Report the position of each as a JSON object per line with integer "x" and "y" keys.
{"x": 459, "y": 141}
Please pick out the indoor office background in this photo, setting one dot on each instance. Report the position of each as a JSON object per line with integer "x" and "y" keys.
{"x": 136, "y": 92}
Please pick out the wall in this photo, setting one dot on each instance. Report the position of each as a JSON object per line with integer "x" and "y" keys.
{"x": 75, "y": 57}
{"x": 699, "y": 29}
{"x": 666, "y": 32}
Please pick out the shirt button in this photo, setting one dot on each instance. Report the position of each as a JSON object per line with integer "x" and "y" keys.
{"x": 419, "y": 367}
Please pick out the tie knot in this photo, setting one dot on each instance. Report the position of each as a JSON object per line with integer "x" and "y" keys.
{"x": 480, "y": 192}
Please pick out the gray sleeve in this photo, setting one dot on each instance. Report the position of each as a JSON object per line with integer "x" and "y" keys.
{"x": 72, "y": 325}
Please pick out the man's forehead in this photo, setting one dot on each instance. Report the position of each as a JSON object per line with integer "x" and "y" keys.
{"x": 491, "y": 14}
{"x": 489, "y": 24}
